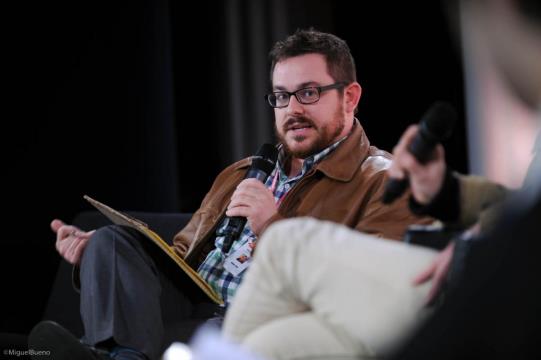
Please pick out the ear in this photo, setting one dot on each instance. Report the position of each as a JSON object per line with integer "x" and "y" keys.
{"x": 352, "y": 95}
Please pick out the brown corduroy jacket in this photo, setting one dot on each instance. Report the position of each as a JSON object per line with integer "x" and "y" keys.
{"x": 345, "y": 187}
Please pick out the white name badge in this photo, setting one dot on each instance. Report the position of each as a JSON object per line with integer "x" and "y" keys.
{"x": 238, "y": 261}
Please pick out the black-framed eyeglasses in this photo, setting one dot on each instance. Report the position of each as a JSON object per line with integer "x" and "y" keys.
{"x": 307, "y": 95}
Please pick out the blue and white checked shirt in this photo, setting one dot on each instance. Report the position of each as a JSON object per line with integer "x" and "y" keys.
{"x": 212, "y": 269}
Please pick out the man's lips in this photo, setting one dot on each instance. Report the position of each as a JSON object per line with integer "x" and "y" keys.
{"x": 298, "y": 126}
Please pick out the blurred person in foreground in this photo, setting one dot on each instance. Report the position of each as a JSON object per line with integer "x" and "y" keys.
{"x": 494, "y": 310}
{"x": 323, "y": 291}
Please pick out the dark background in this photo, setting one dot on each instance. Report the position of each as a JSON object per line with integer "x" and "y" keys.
{"x": 140, "y": 105}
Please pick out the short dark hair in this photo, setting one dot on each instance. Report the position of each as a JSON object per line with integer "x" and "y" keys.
{"x": 340, "y": 63}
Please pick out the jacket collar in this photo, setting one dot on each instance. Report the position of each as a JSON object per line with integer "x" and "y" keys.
{"x": 342, "y": 163}
{"x": 244, "y": 163}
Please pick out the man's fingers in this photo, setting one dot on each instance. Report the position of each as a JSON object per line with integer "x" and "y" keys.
{"x": 69, "y": 230}
{"x": 434, "y": 290}
{"x": 439, "y": 152}
{"x": 425, "y": 275}
{"x": 251, "y": 185}
{"x": 63, "y": 246}
{"x": 70, "y": 248}
{"x": 66, "y": 230}
{"x": 56, "y": 224}
{"x": 437, "y": 282}
{"x": 242, "y": 199}
{"x": 405, "y": 163}
{"x": 78, "y": 250}
{"x": 396, "y": 171}
{"x": 430, "y": 273}
{"x": 402, "y": 159}
{"x": 82, "y": 234}
{"x": 252, "y": 182}
{"x": 406, "y": 138}
{"x": 238, "y": 211}
{"x": 440, "y": 270}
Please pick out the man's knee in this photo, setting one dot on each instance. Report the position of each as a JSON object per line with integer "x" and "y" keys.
{"x": 296, "y": 235}
{"x": 265, "y": 342}
{"x": 286, "y": 233}
{"x": 301, "y": 336}
{"x": 107, "y": 239}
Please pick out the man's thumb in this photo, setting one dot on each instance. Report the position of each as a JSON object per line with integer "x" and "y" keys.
{"x": 56, "y": 224}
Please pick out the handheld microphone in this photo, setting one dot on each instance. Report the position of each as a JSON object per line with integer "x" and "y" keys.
{"x": 436, "y": 125}
{"x": 262, "y": 165}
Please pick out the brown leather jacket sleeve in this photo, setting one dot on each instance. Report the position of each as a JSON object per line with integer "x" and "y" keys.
{"x": 212, "y": 208}
{"x": 376, "y": 219}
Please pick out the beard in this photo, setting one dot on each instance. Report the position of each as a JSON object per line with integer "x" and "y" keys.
{"x": 325, "y": 135}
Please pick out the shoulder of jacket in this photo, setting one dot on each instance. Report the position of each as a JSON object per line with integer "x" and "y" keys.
{"x": 377, "y": 160}
{"x": 241, "y": 164}
{"x": 232, "y": 170}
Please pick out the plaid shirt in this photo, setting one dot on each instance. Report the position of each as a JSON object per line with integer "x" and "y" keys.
{"x": 212, "y": 269}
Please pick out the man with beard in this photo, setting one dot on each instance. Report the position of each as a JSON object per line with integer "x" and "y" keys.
{"x": 326, "y": 169}
{"x": 318, "y": 290}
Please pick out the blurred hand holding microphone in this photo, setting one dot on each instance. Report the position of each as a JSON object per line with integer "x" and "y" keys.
{"x": 436, "y": 125}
